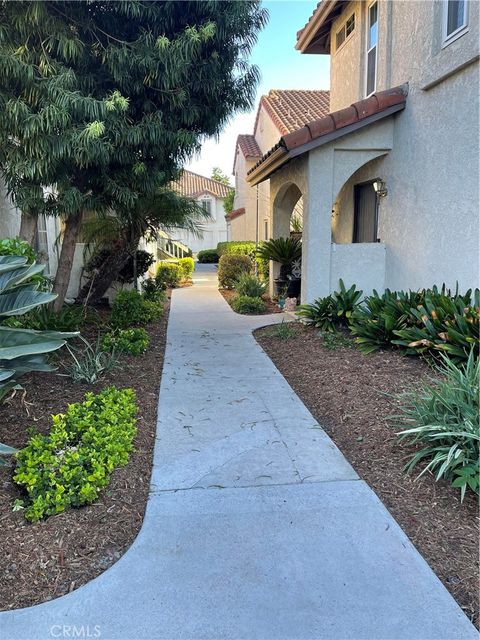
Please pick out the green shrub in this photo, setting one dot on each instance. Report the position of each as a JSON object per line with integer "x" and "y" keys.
{"x": 230, "y": 267}
{"x": 131, "y": 341}
{"x": 444, "y": 414}
{"x": 144, "y": 261}
{"x": 186, "y": 267}
{"x": 69, "y": 318}
{"x": 91, "y": 362}
{"x": 153, "y": 290}
{"x": 443, "y": 323}
{"x": 237, "y": 248}
{"x": 208, "y": 256}
{"x": 245, "y": 248}
{"x": 130, "y": 308}
{"x": 17, "y": 247}
{"x": 332, "y": 311}
{"x": 375, "y": 321}
{"x": 248, "y": 304}
{"x": 168, "y": 274}
{"x": 70, "y": 465}
{"x": 249, "y": 285}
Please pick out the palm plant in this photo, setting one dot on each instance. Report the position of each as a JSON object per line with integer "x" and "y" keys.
{"x": 282, "y": 250}
{"x": 22, "y": 350}
{"x": 121, "y": 232}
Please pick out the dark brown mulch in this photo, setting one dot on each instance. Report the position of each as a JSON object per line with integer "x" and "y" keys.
{"x": 345, "y": 391}
{"x": 44, "y": 560}
{"x": 270, "y": 305}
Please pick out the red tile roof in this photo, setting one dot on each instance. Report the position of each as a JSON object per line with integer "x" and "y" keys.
{"x": 235, "y": 214}
{"x": 249, "y": 146}
{"x": 358, "y": 114}
{"x": 315, "y": 35}
{"x": 192, "y": 184}
{"x": 290, "y": 108}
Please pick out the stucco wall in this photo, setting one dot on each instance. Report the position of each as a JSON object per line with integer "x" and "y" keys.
{"x": 244, "y": 227}
{"x": 362, "y": 264}
{"x": 214, "y": 231}
{"x": 345, "y": 68}
{"x": 9, "y": 215}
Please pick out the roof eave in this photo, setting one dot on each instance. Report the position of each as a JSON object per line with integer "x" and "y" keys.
{"x": 306, "y": 41}
{"x": 271, "y": 164}
{"x": 275, "y": 162}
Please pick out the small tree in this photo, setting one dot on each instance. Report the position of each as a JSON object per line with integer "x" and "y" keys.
{"x": 104, "y": 99}
{"x": 219, "y": 176}
{"x": 228, "y": 202}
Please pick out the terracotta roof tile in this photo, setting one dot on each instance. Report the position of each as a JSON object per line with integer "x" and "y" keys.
{"x": 249, "y": 146}
{"x": 192, "y": 184}
{"x": 358, "y": 111}
{"x": 235, "y": 213}
{"x": 290, "y": 108}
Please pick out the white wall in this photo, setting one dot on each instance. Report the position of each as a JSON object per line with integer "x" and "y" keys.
{"x": 9, "y": 215}
{"x": 215, "y": 230}
{"x": 362, "y": 264}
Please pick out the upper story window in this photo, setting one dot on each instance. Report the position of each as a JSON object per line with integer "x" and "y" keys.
{"x": 207, "y": 205}
{"x": 372, "y": 42}
{"x": 343, "y": 33}
{"x": 455, "y": 19}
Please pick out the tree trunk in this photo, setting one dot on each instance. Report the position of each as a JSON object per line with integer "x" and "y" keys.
{"x": 107, "y": 273}
{"x": 28, "y": 227}
{"x": 69, "y": 241}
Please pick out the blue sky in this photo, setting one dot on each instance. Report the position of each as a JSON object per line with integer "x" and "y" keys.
{"x": 281, "y": 67}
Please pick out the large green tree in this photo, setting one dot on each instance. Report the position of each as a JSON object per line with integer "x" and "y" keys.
{"x": 100, "y": 102}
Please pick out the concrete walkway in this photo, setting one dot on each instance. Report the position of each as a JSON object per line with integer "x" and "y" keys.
{"x": 256, "y": 527}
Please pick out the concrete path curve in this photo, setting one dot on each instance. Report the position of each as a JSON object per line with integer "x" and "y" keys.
{"x": 256, "y": 526}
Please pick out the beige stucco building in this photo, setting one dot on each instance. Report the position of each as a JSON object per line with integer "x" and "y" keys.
{"x": 279, "y": 112}
{"x": 390, "y": 179}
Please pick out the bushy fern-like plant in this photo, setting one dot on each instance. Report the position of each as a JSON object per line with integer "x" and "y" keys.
{"x": 444, "y": 415}
{"x": 70, "y": 465}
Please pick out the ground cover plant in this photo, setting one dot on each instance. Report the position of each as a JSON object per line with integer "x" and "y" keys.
{"x": 70, "y": 465}
{"x": 132, "y": 341}
{"x": 444, "y": 415}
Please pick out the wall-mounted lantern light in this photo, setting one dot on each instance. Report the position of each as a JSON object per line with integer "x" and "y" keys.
{"x": 380, "y": 187}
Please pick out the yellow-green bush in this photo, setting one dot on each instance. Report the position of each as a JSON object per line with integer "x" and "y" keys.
{"x": 70, "y": 465}
{"x": 186, "y": 266}
{"x": 130, "y": 308}
{"x": 168, "y": 274}
{"x": 248, "y": 305}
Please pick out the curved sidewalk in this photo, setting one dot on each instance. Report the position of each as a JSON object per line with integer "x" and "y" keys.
{"x": 256, "y": 525}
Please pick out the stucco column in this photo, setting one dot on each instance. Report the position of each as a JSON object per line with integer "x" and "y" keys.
{"x": 317, "y": 214}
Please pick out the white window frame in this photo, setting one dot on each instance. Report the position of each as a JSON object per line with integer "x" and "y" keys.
{"x": 460, "y": 31}
{"x": 368, "y": 49}
{"x": 344, "y": 28}
{"x": 208, "y": 205}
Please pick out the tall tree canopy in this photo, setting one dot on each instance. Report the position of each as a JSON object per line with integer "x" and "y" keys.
{"x": 102, "y": 101}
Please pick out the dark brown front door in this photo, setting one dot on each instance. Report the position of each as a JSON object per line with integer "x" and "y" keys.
{"x": 365, "y": 213}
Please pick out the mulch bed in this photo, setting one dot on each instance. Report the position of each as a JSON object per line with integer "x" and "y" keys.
{"x": 345, "y": 391}
{"x": 270, "y": 305}
{"x": 47, "y": 559}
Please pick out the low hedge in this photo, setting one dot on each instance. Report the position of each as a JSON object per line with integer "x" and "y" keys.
{"x": 245, "y": 248}
{"x": 70, "y": 465}
{"x": 131, "y": 308}
{"x": 208, "y": 256}
{"x": 230, "y": 267}
{"x": 168, "y": 274}
{"x": 186, "y": 266}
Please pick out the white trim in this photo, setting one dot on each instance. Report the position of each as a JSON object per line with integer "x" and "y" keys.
{"x": 367, "y": 49}
{"x": 460, "y": 31}
{"x": 344, "y": 26}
